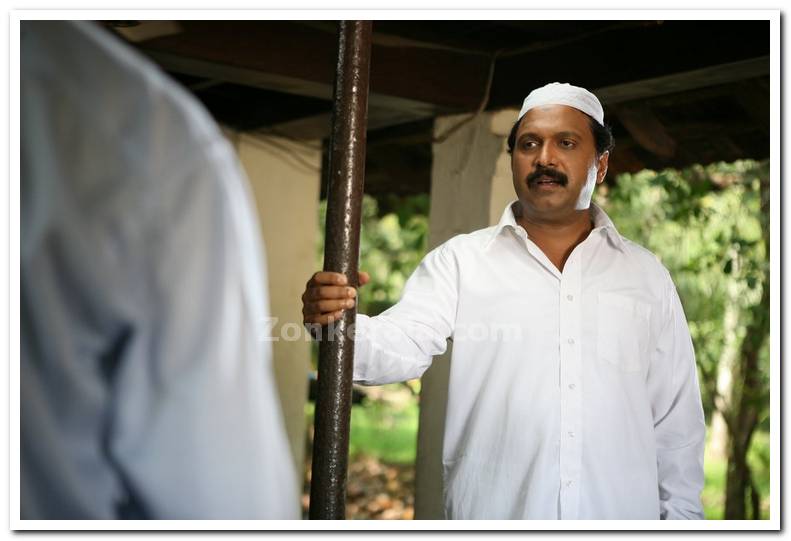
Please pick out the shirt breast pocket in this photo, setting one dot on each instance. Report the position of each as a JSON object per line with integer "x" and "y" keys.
{"x": 623, "y": 331}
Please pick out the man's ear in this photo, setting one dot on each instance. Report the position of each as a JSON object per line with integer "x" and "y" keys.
{"x": 601, "y": 172}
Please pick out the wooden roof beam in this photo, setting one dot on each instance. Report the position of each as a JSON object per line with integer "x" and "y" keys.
{"x": 297, "y": 59}
{"x": 688, "y": 80}
{"x": 646, "y": 129}
{"x": 614, "y": 61}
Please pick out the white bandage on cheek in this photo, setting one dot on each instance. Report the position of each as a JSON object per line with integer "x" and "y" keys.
{"x": 586, "y": 194}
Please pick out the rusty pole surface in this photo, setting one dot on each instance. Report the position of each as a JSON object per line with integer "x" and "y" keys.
{"x": 341, "y": 254}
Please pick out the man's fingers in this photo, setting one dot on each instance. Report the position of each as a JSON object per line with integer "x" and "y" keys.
{"x": 335, "y": 278}
{"x": 324, "y": 319}
{"x": 328, "y": 305}
{"x": 327, "y": 278}
{"x": 329, "y": 292}
{"x": 364, "y": 277}
{"x": 327, "y": 295}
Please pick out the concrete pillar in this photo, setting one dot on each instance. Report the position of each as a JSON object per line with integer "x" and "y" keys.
{"x": 285, "y": 177}
{"x": 470, "y": 185}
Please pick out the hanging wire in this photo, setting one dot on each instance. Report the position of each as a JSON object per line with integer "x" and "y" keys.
{"x": 481, "y": 108}
{"x": 289, "y": 152}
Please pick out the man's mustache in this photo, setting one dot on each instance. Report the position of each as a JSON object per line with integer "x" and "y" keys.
{"x": 541, "y": 172}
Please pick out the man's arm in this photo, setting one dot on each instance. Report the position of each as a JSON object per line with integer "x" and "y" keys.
{"x": 398, "y": 344}
{"x": 679, "y": 425}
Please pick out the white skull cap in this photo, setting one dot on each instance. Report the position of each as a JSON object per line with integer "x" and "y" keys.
{"x": 564, "y": 94}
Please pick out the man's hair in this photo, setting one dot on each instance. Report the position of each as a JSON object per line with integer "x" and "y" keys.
{"x": 602, "y": 136}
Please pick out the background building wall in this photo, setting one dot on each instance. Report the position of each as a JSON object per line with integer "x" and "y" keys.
{"x": 471, "y": 184}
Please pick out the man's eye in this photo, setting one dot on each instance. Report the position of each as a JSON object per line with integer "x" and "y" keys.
{"x": 528, "y": 144}
{"x": 567, "y": 143}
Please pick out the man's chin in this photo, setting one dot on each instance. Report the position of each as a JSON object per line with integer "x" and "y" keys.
{"x": 547, "y": 203}
{"x": 549, "y": 198}
{"x": 545, "y": 206}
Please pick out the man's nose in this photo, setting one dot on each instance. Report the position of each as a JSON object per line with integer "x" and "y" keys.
{"x": 546, "y": 156}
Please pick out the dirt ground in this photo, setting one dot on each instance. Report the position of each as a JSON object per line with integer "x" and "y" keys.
{"x": 374, "y": 490}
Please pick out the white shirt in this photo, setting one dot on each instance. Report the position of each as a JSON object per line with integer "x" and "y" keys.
{"x": 572, "y": 395}
{"x": 146, "y": 388}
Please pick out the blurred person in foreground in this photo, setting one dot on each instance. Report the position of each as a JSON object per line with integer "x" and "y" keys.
{"x": 573, "y": 388}
{"x": 147, "y": 386}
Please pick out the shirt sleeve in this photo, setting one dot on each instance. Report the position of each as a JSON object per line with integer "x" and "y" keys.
{"x": 399, "y": 344}
{"x": 679, "y": 425}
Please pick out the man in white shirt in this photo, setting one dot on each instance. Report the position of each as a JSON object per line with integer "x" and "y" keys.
{"x": 573, "y": 390}
{"x": 147, "y": 389}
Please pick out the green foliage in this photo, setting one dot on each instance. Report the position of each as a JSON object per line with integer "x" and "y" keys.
{"x": 391, "y": 247}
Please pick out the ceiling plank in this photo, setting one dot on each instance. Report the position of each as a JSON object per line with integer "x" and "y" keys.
{"x": 318, "y": 126}
{"x": 623, "y": 56}
{"x": 646, "y": 129}
{"x": 298, "y": 59}
{"x": 688, "y": 80}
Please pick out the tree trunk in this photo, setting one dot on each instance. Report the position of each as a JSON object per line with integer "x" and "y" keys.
{"x": 726, "y": 368}
{"x": 747, "y": 395}
{"x": 744, "y": 417}
{"x": 739, "y": 478}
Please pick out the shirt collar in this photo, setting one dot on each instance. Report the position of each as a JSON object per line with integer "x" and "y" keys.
{"x": 508, "y": 219}
{"x": 601, "y": 221}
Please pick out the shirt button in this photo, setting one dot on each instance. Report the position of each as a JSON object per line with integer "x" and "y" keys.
{"x": 570, "y": 297}
{"x": 571, "y": 341}
{"x": 569, "y": 483}
{"x": 571, "y": 386}
{"x": 571, "y": 434}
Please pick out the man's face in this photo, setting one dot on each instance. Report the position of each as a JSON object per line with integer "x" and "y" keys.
{"x": 554, "y": 163}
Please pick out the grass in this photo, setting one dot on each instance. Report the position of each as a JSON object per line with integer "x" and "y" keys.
{"x": 713, "y": 495}
{"x": 381, "y": 430}
{"x": 386, "y": 433}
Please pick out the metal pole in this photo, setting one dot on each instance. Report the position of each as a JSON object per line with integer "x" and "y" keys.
{"x": 341, "y": 254}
